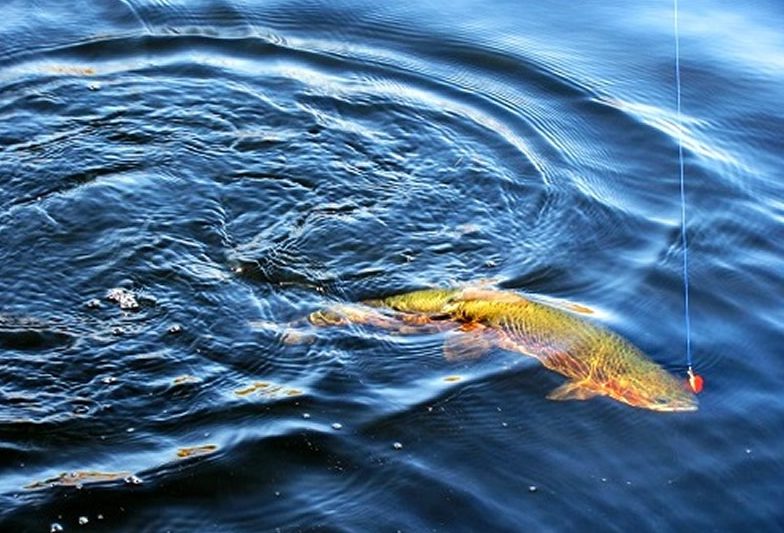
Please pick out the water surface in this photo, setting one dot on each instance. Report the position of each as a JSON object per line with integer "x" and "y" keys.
{"x": 221, "y": 169}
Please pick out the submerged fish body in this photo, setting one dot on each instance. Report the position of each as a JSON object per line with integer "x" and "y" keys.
{"x": 426, "y": 301}
{"x": 595, "y": 360}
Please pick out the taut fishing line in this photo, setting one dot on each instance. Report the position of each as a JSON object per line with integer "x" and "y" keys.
{"x": 695, "y": 381}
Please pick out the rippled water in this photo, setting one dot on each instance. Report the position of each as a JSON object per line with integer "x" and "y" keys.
{"x": 223, "y": 168}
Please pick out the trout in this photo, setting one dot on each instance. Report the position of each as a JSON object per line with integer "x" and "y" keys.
{"x": 595, "y": 361}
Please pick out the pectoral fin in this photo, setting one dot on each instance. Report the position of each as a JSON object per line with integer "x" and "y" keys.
{"x": 467, "y": 344}
{"x": 572, "y": 390}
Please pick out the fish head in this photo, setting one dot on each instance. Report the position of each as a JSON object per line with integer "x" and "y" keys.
{"x": 654, "y": 389}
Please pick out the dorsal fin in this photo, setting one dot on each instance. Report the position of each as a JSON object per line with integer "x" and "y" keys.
{"x": 489, "y": 295}
{"x": 564, "y": 305}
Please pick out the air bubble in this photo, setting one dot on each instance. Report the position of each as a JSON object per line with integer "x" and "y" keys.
{"x": 80, "y": 410}
{"x": 126, "y": 299}
{"x": 133, "y": 480}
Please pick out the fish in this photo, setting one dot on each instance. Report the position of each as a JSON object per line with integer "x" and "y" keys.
{"x": 594, "y": 360}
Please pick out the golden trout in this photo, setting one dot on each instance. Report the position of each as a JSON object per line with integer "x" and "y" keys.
{"x": 595, "y": 360}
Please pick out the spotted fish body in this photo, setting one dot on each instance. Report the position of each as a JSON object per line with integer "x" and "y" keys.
{"x": 595, "y": 360}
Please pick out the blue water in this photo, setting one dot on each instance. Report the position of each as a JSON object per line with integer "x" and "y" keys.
{"x": 228, "y": 167}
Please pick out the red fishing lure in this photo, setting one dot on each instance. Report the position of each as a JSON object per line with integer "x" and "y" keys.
{"x": 695, "y": 381}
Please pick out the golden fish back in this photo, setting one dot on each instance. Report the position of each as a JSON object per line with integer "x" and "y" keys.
{"x": 563, "y": 342}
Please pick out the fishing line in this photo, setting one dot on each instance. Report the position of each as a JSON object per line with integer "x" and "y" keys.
{"x": 695, "y": 381}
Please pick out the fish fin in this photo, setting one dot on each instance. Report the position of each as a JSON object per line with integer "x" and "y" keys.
{"x": 482, "y": 283}
{"x": 572, "y": 390}
{"x": 345, "y": 314}
{"x": 293, "y": 336}
{"x": 562, "y": 304}
{"x": 467, "y": 344}
{"x": 490, "y": 295}
{"x": 468, "y": 327}
{"x": 415, "y": 319}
